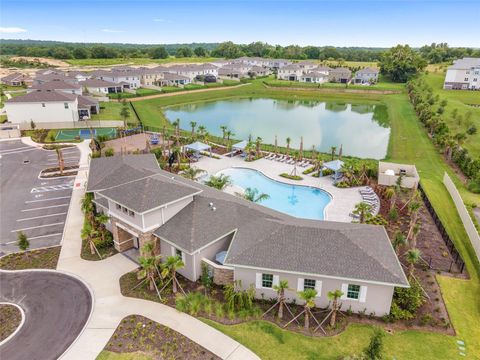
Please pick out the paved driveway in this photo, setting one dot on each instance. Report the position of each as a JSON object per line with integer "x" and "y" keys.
{"x": 56, "y": 307}
{"x": 36, "y": 207}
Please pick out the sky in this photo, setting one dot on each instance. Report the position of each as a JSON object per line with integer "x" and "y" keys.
{"x": 338, "y": 23}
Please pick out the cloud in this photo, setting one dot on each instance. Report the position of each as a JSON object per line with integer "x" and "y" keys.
{"x": 162, "y": 20}
{"x": 112, "y": 31}
{"x": 11, "y": 30}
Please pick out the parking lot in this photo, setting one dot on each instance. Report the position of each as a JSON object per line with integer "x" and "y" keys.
{"x": 35, "y": 206}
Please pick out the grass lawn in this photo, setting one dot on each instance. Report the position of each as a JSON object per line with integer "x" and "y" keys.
{"x": 408, "y": 144}
{"x": 462, "y": 101}
{"x": 108, "y": 355}
{"x": 34, "y": 259}
{"x": 137, "y": 61}
{"x": 111, "y": 111}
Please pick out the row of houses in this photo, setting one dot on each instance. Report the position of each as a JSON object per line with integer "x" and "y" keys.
{"x": 240, "y": 240}
{"x": 464, "y": 74}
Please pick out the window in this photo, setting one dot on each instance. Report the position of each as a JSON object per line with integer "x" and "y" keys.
{"x": 475, "y": 79}
{"x": 43, "y": 104}
{"x": 131, "y": 213}
{"x": 466, "y": 79}
{"x": 178, "y": 253}
{"x": 125, "y": 210}
{"x": 118, "y": 207}
{"x": 353, "y": 292}
{"x": 65, "y": 105}
{"x": 267, "y": 280}
{"x": 309, "y": 284}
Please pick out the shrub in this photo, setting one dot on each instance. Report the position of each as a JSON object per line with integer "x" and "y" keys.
{"x": 393, "y": 214}
{"x": 291, "y": 177}
{"x": 426, "y": 319}
{"x": 374, "y": 350}
{"x": 109, "y": 152}
{"x": 238, "y": 299}
{"x": 406, "y": 302}
{"x": 308, "y": 171}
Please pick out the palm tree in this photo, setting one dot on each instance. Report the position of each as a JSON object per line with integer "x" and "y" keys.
{"x": 413, "y": 255}
{"x": 149, "y": 270}
{"x": 258, "y": 142}
{"x": 229, "y": 135}
{"x": 193, "y": 124}
{"x": 102, "y": 219}
{"x": 280, "y": 289}
{"x": 413, "y": 208}
{"x": 224, "y": 132}
{"x": 308, "y": 295}
{"x": 333, "y": 149}
{"x": 90, "y": 234}
{"x": 288, "y": 140}
{"x": 249, "y": 149}
{"x": 61, "y": 163}
{"x": 192, "y": 173}
{"x": 415, "y": 231}
{"x": 176, "y": 125}
{"x": 319, "y": 164}
{"x": 218, "y": 182}
{"x": 170, "y": 267}
{"x": 334, "y": 296}
{"x": 87, "y": 206}
{"x": 201, "y": 130}
{"x": 391, "y": 194}
{"x": 399, "y": 241}
{"x": 252, "y": 194}
{"x": 362, "y": 209}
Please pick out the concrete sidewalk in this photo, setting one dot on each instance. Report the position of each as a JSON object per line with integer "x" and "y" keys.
{"x": 110, "y": 306}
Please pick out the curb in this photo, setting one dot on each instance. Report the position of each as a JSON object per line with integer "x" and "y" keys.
{"x": 22, "y": 322}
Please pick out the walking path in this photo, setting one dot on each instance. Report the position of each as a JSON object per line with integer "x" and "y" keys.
{"x": 110, "y": 306}
{"x": 140, "y": 98}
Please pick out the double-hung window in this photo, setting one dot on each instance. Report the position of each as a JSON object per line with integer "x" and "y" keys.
{"x": 353, "y": 292}
{"x": 309, "y": 284}
{"x": 267, "y": 280}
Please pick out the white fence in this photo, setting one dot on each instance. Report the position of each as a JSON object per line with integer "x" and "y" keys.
{"x": 73, "y": 124}
{"x": 464, "y": 215}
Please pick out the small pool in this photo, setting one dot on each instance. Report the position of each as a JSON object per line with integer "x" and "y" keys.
{"x": 295, "y": 200}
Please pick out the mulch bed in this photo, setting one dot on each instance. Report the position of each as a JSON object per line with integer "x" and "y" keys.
{"x": 10, "y": 318}
{"x": 137, "y": 333}
{"x": 104, "y": 251}
{"x": 34, "y": 259}
{"x": 219, "y": 150}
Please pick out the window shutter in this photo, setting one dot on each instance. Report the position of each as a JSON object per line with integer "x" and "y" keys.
{"x": 276, "y": 280}
{"x": 183, "y": 257}
{"x": 318, "y": 287}
{"x": 344, "y": 290}
{"x": 173, "y": 250}
{"x": 258, "y": 281}
{"x": 363, "y": 293}
{"x": 300, "y": 284}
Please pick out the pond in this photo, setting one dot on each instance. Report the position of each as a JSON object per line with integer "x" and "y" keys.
{"x": 362, "y": 129}
{"x": 295, "y": 200}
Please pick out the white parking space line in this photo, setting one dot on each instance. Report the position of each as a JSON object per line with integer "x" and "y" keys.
{"x": 35, "y": 237}
{"x": 19, "y": 148}
{"x": 52, "y": 188}
{"x": 41, "y": 217}
{"x": 16, "y": 152}
{"x": 38, "y": 226}
{"x": 45, "y": 207}
{"x": 55, "y": 198}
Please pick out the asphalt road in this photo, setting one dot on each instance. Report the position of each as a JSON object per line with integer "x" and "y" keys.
{"x": 56, "y": 306}
{"x": 36, "y": 207}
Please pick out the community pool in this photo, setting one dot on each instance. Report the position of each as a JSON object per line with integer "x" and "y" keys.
{"x": 295, "y": 200}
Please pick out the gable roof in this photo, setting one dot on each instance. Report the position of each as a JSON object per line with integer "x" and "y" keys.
{"x": 14, "y": 76}
{"x": 367, "y": 70}
{"x": 56, "y": 85}
{"x": 97, "y": 83}
{"x": 42, "y": 96}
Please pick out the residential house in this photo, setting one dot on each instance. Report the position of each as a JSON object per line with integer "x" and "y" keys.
{"x": 322, "y": 69}
{"x": 98, "y": 86}
{"x": 16, "y": 79}
{"x": 197, "y": 223}
{"x": 367, "y": 75}
{"x": 314, "y": 77}
{"x": 464, "y": 74}
{"x": 279, "y": 63}
{"x": 340, "y": 75}
{"x": 58, "y": 85}
{"x": 259, "y": 71}
{"x": 307, "y": 65}
{"x": 152, "y": 76}
{"x": 291, "y": 72}
{"x": 193, "y": 70}
{"x": 171, "y": 79}
{"x": 128, "y": 77}
{"x": 238, "y": 70}
{"x": 61, "y": 76}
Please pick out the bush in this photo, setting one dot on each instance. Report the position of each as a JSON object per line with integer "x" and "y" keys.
{"x": 474, "y": 186}
{"x": 406, "y": 302}
{"x": 426, "y": 319}
{"x": 291, "y": 177}
{"x": 308, "y": 171}
{"x": 109, "y": 152}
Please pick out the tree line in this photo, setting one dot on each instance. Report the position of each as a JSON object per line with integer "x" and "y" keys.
{"x": 434, "y": 53}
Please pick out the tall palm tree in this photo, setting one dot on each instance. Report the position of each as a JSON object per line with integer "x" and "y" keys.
{"x": 280, "y": 289}
{"x": 391, "y": 194}
{"x": 192, "y": 173}
{"x": 415, "y": 231}
{"x": 362, "y": 209}
{"x": 413, "y": 208}
{"x": 258, "y": 142}
{"x": 333, "y": 149}
{"x": 61, "y": 163}
{"x": 308, "y": 295}
{"x": 398, "y": 241}
{"x": 288, "y": 140}
{"x": 334, "y": 296}
{"x": 89, "y": 234}
{"x": 170, "y": 267}
{"x": 102, "y": 219}
{"x": 319, "y": 164}
{"x": 176, "y": 125}
{"x": 87, "y": 206}
{"x": 229, "y": 134}
{"x": 193, "y": 124}
{"x": 413, "y": 255}
{"x": 249, "y": 149}
{"x": 224, "y": 132}
{"x": 201, "y": 130}
{"x": 149, "y": 270}
{"x": 218, "y": 182}
{"x": 252, "y": 194}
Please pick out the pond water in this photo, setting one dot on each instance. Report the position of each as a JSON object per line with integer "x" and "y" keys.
{"x": 362, "y": 129}
{"x": 295, "y": 200}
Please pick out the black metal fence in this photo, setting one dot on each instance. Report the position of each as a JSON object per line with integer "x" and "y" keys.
{"x": 457, "y": 258}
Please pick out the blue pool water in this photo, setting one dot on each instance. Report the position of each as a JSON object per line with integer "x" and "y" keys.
{"x": 299, "y": 201}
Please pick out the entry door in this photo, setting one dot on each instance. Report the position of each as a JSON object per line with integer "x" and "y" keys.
{"x": 135, "y": 243}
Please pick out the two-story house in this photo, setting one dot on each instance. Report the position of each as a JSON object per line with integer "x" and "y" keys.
{"x": 464, "y": 74}
{"x": 367, "y": 75}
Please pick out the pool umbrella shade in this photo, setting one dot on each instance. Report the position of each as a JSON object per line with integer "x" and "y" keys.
{"x": 335, "y": 165}
{"x": 198, "y": 147}
{"x": 220, "y": 257}
{"x": 239, "y": 146}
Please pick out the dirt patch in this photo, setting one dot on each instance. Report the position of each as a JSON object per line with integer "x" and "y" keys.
{"x": 10, "y": 318}
{"x": 34, "y": 259}
{"x": 137, "y": 333}
{"x": 48, "y": 61}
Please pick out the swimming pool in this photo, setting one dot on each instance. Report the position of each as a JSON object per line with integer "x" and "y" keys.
{"x": 295, "y": 200}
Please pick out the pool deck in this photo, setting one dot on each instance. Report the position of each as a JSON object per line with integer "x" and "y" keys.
{"x": 343, "y": 200}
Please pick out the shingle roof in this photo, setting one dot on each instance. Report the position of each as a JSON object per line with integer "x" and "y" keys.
{"x": 367, "y": 70}
{"x": 13, "y": 76}
{"x": 56, "y": 85}
{"x": 97, "y": 83}
{"x": 42, "y": 96}
{"x": 465, "y": 63}
{"x": 86, "y": 101}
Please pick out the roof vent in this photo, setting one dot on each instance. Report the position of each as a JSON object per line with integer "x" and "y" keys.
{"x": 210, "y": 204}
{"x": 214, "y": 208}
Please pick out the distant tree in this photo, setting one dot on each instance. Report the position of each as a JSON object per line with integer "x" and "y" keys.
{"x": 401, "y": 62}
{"x": 125, "y": 114}
{"x": 32, "y": 125}
{"x": 200, "y": 51}
{"x": 228, "y": 50}
{"x": 183, "y": 52}
{"x": 80, "y": 53}
{"x": 62, "y": 53}
{"x": 22, "y": 241}
{"x": 158, "y": 53}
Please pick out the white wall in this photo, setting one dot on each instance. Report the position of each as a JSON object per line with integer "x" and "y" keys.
{"x": 21, "y": 112}
{"x": 161, "y": 216}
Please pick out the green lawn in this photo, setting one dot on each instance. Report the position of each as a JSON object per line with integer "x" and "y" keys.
{"x": 462, "y": 101}
{"x": 111, "y": 111}
{"x": 137, "y": 61}
{"x": 408, "y": 144}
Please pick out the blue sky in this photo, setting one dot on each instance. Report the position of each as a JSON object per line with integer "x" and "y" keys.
{"x": 338, "y": 23}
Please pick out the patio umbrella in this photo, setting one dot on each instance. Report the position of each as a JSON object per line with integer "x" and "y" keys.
{"x": 340, "y": 151}
{"x": 276, "y": 149}
{"x": 301, "y": 148}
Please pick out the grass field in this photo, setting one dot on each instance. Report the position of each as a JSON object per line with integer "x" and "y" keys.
{"x": 111, "y": 111}
{"x": 408, "y": 144}
{"x": 462, "y": 101}
{"x": 137, "y": 61}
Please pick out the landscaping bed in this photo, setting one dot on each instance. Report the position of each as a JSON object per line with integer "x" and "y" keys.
{"x": 140, "y": 334}
{"x": 10, "y": 318}
{"x": 54, "y": 172}
{"x": 35, "y": 259}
